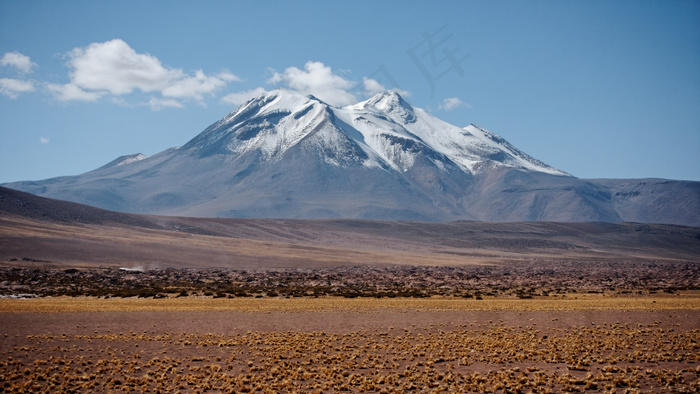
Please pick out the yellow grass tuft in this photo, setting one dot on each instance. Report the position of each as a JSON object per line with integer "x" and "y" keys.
{"x": 578, "y": 302}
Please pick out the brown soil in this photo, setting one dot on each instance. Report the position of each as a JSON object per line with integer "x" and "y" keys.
{"x": 97, "y": 301}
{"x": 167, "y": 242}
{"x": 373, "y": 348}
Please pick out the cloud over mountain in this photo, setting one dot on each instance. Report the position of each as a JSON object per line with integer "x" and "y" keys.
{"x": 318, "y": 80}
{"x": 451, "y": 103}
{"x": 239, "y": 98}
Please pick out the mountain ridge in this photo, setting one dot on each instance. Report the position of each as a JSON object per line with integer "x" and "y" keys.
{"x": 286, "y": 155}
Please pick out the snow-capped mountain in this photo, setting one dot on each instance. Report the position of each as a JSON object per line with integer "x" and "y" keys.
{"x": 382, "y": 131}
{"x": 283, "y": 154}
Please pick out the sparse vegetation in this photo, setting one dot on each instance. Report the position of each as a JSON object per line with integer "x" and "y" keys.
{"x": 435, "y": 356}
{"x": 524, "y": 280}
{"x": 430, "y": 354}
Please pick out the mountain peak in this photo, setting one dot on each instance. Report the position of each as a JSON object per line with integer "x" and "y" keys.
{"x": 387, "y": 94}
{"x": 265, "y": 126}
{"x": 390, "y": 102}
{"x": 386, "y": 99}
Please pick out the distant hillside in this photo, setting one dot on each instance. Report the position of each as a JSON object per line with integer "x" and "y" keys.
{"x": 35, "y": 229}
{"x": 14, "y": 202}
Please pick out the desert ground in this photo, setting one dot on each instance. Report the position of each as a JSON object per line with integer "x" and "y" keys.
{"x": 587, "y": 344}
{"x": 98, "y": 301}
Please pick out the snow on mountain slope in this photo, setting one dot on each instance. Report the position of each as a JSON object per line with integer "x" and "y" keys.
{"x": 270, "y": 123}
{"x": 273, "y": 123}
{"x": 283, "y": 154}
{"x": 386, "y": 120}
{"x": 383, "y": 131}
{"x": 505, "y": 153}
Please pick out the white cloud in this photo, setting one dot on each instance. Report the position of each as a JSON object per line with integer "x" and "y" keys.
{"x": 11, "y": 87}
{"x": 114, "y": 68}
{"x": 316, "y": 79}
{"x": 70, "y": 92}
{"x": 451, "y": 103}
{"x": 44, "y": 140}
{"x": 15, "y": 59}
{"x": 239, "y": 98}
{"x": 319, "y": 80}
{"x": 372, "y": 87}
{"x": 158, "y": 104}
{"x": 196, "y": 86}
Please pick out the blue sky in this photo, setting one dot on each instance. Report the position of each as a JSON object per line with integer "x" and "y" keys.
{"x": 599, "y": 89}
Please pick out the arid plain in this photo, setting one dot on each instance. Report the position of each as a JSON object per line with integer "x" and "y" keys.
{"x": 97, "y": 301}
